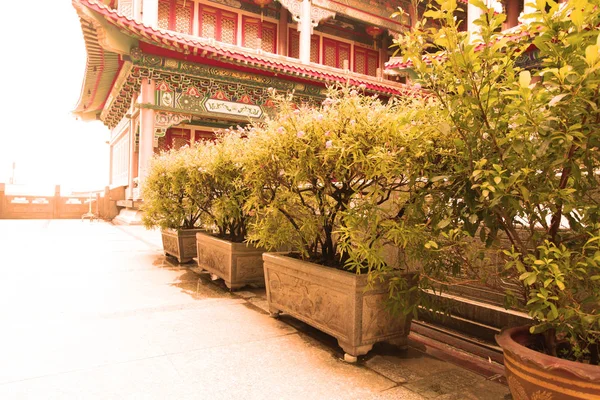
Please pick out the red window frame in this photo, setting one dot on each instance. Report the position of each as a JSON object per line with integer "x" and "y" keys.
{"x": 294, "y": 37}
{"x": 369, "y": 54}
{"x": 173, "y": 14}
{"x": 220, "y": 15}
{"x": 261, "y": 27}
{"x": 337, "y": 45}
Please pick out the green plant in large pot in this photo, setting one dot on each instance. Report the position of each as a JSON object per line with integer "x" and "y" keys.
{"x": 224, "y": 252}
{"x": 313, "y": 169}
{"x": 173, "y": 203}
{"x": 524, "y": 180}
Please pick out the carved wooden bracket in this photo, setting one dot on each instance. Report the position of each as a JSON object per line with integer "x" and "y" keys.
{"x": 317, "y": 14}
{"x": 164, "y": 120}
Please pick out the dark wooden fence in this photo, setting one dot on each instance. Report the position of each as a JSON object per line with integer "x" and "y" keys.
{"x": 102, "y": 204}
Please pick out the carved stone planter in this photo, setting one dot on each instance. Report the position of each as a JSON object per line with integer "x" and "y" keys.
{"x": 334, "y": 302}
{"x": 238, "y": 264}
{"x": 180, "y": 243}
{"x": 534, "y": 375}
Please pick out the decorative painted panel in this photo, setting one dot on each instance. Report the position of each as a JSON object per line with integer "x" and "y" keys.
{"x": 189, "y": 83}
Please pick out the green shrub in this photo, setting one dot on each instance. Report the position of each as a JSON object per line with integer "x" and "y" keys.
{"x": 171, "y": 200}
{"x": 523, "y": 164}
{"x": 318, "y": 174}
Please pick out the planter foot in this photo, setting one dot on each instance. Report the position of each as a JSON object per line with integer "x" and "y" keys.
{"x": 354, "y": 351}
{"x": 400, "y": 343}
{"x": 350, "y": 359}
{"x": 274, "y": 313}
{"x": 233, "y": 287}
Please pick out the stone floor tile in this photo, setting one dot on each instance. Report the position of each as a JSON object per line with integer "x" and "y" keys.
{"x": 284, "y": 367}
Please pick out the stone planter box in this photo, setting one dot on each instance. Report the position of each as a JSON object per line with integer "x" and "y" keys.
{"x": 180, "y": 243}
{"x": 238, "y": 264}
{"x": 334, "y": 302}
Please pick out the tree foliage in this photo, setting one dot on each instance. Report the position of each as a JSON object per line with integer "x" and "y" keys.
{"x": 523, "y": 162}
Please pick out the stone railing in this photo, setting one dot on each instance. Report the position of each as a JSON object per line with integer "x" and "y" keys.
{"x": 99, "y": 204}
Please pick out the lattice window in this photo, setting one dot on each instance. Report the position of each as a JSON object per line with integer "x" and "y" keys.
{"x": 329, "y": 55}
{"x": 176, "y": 15}
{"x": 228, "y": 29}
{"x": 314, "y": 49}
{"x": 366, "y": 61}
{"x": 269, "y": 37}
{"x": 343, "y": 54}
{"x": 372, "y": 63}
{"x": 335, "y": 52}
{"x": 126, "y": 8}
{"x": 218, "y": 24}
{"x": 184, "y": 11}
{"x": 208, "y": 25}
{"x": 250, "y": 32}
{"x": 360, "y": 62}
{"x": 164, "y": 12}
{"x": 294, "y": 46}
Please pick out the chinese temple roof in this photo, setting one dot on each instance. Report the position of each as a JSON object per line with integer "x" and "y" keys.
{"x": 109, "y": 35}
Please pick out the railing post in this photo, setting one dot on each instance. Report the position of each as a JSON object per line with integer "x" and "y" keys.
{"x": 56, "y": 205}
{"x": 2, "y": 197}
{"x": 98, "y": 205}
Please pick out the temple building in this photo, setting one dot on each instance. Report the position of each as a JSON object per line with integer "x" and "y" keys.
{"x": 162, "y": 74}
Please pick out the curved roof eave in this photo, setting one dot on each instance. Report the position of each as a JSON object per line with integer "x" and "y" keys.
{"x": 257, "y": 59}
{"x": 103, "y": 49}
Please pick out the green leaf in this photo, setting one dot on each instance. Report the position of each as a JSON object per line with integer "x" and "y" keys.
{"x": 431, "y": 244}
{"x": 560, "y": 285}
{"x": 592, "y": 53}
{"x": 524, "y": 79}
{"x": 577, "y": 17}
{"x": 497, "y": 180}
{"x": 444, "y": 223}
{"x": 556, "y": 99}
{"x": 553, "y": 314}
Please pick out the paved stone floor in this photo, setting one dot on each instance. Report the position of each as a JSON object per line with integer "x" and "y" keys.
{"x": 90, "y": 310}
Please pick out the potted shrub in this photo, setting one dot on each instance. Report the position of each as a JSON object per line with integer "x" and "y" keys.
{"x": 173, "y": 203}
{"x": 224, "y": 252}
{"x": 313, "y": 171}
{"x": 522, "y": 177}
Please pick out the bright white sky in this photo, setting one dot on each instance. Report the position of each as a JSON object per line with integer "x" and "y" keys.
{"x": 42, "y": 63}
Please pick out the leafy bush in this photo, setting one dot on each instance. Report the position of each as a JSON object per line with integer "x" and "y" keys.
{"x": 318, "y": 174}
{"x": 522, "y": 170}
{"x": 221, "y": 178}
{"x": 171, "y": 200}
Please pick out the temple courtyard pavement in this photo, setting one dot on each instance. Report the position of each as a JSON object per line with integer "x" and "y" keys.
{"x": 90, "y": 310}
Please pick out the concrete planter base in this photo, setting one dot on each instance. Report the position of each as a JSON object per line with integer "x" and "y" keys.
{"x": 334, "y": 302}
{"x": 180, "y": 243}
{"x": 238, "y": 264}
